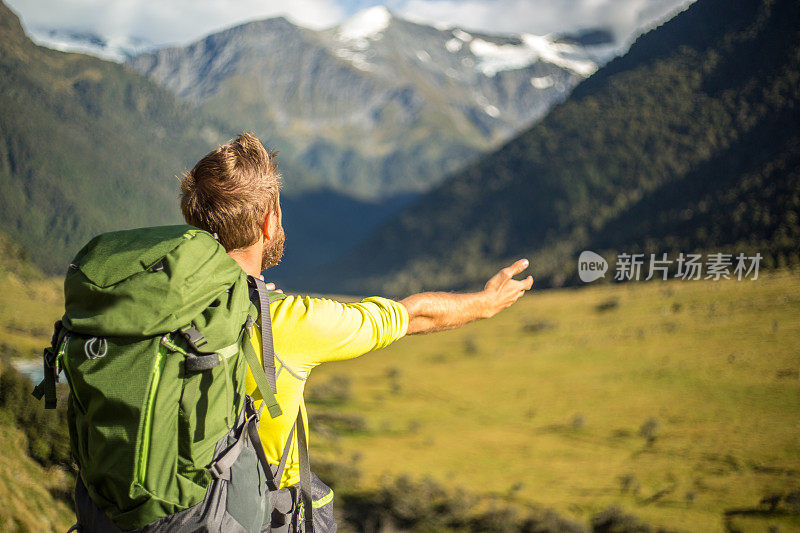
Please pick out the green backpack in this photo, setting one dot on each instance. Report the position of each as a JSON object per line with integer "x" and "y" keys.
{"x": 155, "y": 344}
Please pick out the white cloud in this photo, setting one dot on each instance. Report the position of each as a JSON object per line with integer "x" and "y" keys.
{"x": 182, "y": 21}
{"x": 173, "y": 21}
{"x": 540, "y": 17}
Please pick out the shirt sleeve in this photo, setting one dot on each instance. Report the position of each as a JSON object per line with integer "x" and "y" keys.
{"x": 309, "y": 331}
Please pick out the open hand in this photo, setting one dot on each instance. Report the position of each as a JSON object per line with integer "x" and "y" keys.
{"x": 502, "y": 289}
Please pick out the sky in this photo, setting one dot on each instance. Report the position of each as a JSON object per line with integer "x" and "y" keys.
{"x": 183, "y": 21}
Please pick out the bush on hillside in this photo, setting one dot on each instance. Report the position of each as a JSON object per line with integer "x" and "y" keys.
{"x": 46, "y": 430}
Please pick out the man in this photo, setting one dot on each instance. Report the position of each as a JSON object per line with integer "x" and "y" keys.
{"x": 234, "y": 192}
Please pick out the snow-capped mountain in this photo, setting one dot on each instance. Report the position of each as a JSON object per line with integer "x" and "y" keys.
{"x": 377, "y": 104}
{"x": 357, "y": 36}
{"x": 512, "y": 80}
{"x": 116, "y": 49}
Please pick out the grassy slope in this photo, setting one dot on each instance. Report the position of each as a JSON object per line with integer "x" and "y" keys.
{"x": 29, "y": 304}
{"x": 26, "y": 501}
{"x": 495, "y": 404}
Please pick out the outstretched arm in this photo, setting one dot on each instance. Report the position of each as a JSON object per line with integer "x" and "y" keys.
{"x": 436, "y": 311}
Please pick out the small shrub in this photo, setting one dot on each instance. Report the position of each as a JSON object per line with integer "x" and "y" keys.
{"x": 537, "y": 326}
{"x": 628, "y": 484}
{"x": 393, "y": 374}
{"x": 438, "y": 358}
{"x": 335, "y": 390}
{"x": 788, "y": 373}
{"x": 607, "y": 305}
{"x": 615, "y": 520}
{"x": 649, "y": 430}
{"x": 792, "y": 500}
{"x": 336, "y": 423}
{"x": 771, "y": 501}
{"x": 470, "y": 346}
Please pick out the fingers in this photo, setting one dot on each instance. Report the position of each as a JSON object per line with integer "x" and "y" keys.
{"x": 512, "y": 270}
{"x": 527, "y": 283}
{"x": 271, "y": 287}
{"x": 506, "y": 275}
{"x": 520, "y": 287}
{"x": 521, "y": 284}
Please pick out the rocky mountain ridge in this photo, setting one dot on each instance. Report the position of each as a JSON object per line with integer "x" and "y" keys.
{"x": 378, "y": 105}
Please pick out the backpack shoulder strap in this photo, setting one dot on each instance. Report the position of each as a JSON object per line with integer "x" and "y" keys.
{"x": 263, "y": 373}
{"x": 268, "y": 357}
{"x": 264, "y": 297}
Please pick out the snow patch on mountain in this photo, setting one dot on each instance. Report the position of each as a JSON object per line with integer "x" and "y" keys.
{"x": 542, "y": 82}
{"x": 453, "y": 45}
{"x": 493, "y": 58}
{"x": 366, "y": 24}
{"x": 356, "y": 33}
{"x": 356, "y": 57}
{"x": 461, "y": 34}
{"x": 564, "y": 55}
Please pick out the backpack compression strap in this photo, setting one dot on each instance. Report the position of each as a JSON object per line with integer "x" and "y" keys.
{"x": 47, "y": 387}
{"x": 305, "y": 475}
{"x": 221, "y": 467}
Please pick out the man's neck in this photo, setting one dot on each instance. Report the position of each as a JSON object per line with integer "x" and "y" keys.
{"x": 249, "y": 259}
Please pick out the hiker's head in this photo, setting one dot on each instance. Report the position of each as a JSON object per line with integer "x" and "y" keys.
{"x": 234, "y": 191}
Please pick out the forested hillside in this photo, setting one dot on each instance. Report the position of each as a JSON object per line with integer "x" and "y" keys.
{"x": 85, "y": 146}
{"x": 689, "y": 142}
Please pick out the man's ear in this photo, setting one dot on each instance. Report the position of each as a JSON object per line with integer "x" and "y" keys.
{"x": 265, "y": 227}
{"x": 270, "y": 226}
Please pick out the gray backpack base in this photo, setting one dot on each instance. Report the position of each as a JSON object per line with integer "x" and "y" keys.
{"x": 226, "y": 507}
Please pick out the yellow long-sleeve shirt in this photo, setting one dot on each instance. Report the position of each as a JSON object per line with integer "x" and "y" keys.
{"x": 309, "y": 331}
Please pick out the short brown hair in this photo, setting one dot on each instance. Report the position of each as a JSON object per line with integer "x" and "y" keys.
{"x": 230, "y": 191}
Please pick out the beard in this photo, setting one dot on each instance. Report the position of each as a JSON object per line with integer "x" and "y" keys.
{"x": 273, "y": 250}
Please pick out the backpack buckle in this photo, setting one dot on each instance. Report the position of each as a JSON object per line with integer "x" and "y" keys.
{"x": 195, "y": 339}
{"x": 219, "y": 473}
